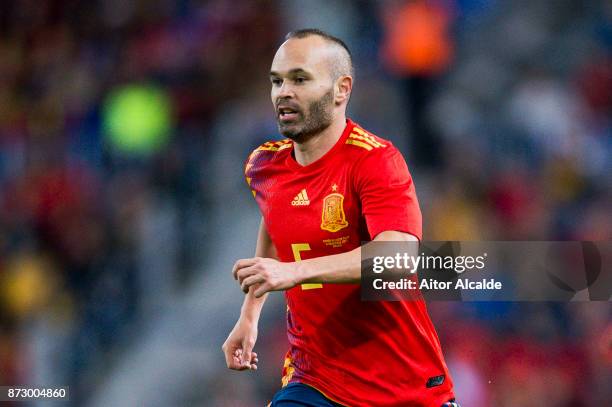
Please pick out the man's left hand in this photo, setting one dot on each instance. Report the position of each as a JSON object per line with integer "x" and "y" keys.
{"x": 267, "y": 274}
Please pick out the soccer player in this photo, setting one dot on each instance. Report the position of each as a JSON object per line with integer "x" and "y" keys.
{"x": 322, "y": 191}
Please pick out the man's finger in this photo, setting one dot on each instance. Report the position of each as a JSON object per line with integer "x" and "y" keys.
{"x": 247, "y": 345}
{"x": 242, "y": 263}
{"x": 232, "y": 359}
{"x": 244, "y": 273}
{"x": 237, "y": 364}
{"x": 249, "y": 281}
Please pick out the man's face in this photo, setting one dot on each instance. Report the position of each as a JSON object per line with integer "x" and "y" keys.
{"x": 302, "y": 87}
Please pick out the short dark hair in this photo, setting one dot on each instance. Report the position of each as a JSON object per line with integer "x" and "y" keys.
{"x": 307, "y": 32}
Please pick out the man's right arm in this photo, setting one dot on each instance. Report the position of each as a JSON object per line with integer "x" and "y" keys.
{"x": 251, "y": 307}
{"x": 239, "y": 344}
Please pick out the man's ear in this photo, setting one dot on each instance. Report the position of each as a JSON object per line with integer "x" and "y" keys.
{"x": 344, "y": 87}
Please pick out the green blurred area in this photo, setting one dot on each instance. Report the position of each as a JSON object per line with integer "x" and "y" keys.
{"x": 137, "y": 119}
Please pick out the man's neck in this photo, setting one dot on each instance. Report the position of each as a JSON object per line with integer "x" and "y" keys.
{"x": 315, "y": 147}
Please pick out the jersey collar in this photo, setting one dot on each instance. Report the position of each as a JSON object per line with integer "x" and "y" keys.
{"x": 295, "y": 166}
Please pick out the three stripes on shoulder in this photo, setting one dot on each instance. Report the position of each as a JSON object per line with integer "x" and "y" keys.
{"x": 361, "y": 138}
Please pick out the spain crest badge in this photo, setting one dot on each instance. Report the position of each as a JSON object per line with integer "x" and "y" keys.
{"x": 332, "y": 217}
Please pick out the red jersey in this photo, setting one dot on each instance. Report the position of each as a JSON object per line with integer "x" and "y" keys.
{"x": 355, "y": 353}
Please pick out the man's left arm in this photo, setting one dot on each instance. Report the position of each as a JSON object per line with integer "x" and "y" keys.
{"x": 273, "y": 275}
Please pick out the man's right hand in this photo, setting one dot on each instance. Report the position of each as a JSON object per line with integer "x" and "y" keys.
{"x": 238, "y": 347}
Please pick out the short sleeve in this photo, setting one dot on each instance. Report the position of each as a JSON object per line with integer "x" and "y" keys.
{"x": 248, "y": 172}
{"x": 387, "y": 194}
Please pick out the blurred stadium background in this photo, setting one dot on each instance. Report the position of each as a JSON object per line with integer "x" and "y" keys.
{"x": 123, "y": 131}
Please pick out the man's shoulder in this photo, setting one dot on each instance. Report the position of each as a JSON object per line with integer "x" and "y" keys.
{"x": 268, "y": 153}
{"x": 365, "y": 145}
{"x": 274, "y": 146}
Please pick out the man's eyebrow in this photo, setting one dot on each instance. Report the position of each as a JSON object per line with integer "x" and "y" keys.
{"x": 293, "y": 71}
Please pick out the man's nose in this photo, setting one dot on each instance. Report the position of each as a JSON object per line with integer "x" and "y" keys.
{"x": 286, "y": 90}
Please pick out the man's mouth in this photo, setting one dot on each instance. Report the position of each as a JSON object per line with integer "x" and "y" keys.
{"x": 287, "y": 114}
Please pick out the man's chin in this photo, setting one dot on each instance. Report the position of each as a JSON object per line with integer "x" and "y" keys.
{"x": 290, "y": 131}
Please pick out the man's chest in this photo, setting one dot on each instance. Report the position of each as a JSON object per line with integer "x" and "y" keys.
{"x": 317, "y": 215}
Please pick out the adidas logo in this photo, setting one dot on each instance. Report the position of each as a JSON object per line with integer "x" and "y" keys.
{"x": 301, "y": 199}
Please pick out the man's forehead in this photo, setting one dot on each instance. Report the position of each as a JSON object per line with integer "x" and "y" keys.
{"x": 310, "y": 53}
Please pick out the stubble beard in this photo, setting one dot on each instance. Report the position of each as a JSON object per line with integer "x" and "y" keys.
{"x": 318, "y": 118}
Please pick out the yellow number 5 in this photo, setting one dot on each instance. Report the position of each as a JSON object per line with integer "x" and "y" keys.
{"x": 297, "y": 248}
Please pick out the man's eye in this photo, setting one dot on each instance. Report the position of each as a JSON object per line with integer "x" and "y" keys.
{"x": 276, "y": 81}
{"x": 300, "y": 80}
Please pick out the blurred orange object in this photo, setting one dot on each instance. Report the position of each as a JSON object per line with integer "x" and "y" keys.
{"x": 417, "y": 39}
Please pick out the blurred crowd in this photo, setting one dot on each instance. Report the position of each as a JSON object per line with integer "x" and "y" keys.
{"x": 503, "y": 110}
{"x": 95, "y": 237}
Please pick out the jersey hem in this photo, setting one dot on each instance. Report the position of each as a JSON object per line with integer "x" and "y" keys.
{"x": 326, "y": 395}
{"x": 444, "y": 394}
